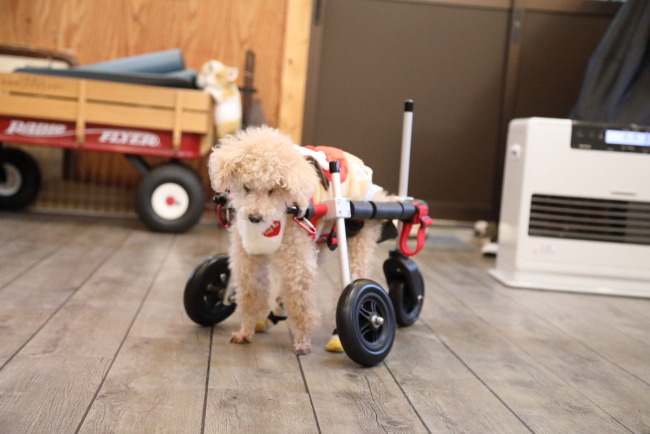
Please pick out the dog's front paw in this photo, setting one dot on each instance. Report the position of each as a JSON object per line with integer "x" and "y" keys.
{"x": 241, "y": 338}
{"x": 301, "y": 348}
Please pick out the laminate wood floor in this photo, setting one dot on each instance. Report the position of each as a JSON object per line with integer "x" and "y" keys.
{"x": 94, "y": 339}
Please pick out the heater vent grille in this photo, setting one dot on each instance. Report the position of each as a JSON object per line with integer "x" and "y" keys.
{"x": 616, "y": 221}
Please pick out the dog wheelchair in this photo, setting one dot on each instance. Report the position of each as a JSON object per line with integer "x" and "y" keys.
{"x": 366, "y": 315}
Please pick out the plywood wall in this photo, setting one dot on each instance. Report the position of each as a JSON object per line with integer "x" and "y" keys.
{"x": 97, "y": 30}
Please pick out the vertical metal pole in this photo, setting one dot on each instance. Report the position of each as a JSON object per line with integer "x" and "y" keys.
{"x": 405, "y": 160}
{"x": 341, "y": 237}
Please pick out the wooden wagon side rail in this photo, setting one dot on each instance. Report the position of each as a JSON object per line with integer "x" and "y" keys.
{"x": 91, "y": 101}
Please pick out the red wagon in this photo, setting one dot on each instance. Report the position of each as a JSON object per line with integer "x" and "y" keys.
{"x": 134, "y": 120}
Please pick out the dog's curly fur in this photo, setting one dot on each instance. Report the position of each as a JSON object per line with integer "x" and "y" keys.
{"x": 264, "y": 174}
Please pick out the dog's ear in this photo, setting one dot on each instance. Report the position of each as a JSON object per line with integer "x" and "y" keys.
{"x": 319, "y": 171}
{"x": 300, "y": 180}
{"x": 225, "y": 161}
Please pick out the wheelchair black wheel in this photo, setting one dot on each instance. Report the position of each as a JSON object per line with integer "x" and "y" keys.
{"x": 365, "y": 320}
{"x": 407, "y": 304}
{"x": 205, "y": 291}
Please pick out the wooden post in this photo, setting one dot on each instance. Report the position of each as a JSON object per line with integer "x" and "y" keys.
{"x": 207, "y": 139}
{"x": 294, "y": 67}
{"x": 81, "y": 115}
{"x": 176, "y": 133}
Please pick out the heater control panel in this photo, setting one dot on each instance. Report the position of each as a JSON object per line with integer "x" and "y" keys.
{"x": 605, "y": 137}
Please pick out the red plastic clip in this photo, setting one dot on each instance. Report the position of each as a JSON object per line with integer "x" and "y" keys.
{"x": 424, "y": 220}
{"x": 224, "y": 224}
{"x": 311, "y": 230}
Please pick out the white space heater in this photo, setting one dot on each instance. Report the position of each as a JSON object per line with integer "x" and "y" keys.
{"x": 575, "y": 212}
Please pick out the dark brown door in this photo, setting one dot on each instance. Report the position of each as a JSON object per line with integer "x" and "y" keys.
{"x": 452, "y": 58}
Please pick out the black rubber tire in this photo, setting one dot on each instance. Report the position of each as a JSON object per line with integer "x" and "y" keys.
{"x": 29, "y": 182}
{"x": 364, "y": 343}
{"x": 205, "y": 290}
{"x": 407, "y": 310}
{"x": 178, "y": 174}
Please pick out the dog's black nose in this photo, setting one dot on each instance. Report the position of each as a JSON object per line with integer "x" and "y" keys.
{"x": 254, "y": 218}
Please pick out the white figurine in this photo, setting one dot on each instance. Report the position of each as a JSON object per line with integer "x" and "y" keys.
{"x": 219, "y": 81}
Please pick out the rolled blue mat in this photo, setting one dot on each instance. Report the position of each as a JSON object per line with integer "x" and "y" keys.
{"x": 183, "y": 79}
{"x": 156, "y": 63}
{"x": 185, "y": 74}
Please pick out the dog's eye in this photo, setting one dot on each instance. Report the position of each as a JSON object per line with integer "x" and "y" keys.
{"x": 247, "y": 190}
{"x": 270, "y": 192}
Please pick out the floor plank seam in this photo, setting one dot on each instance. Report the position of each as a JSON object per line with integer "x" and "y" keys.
{"x": 618, "y": 421}
{"x": 407, "y": 398}
{"x": 487, "y": 286}
{"x": 482, "y": 284}
{"x": 128, "y": 330}
{"x": 557, "y": 329}
{"x": 480, "y": 265}
{"x": 525, "y": 344}
{"x": 207, "y": 383}
{"x": 478, "y": 378}
{"x": 606, "y": 358}
{"x": 621, "y": 331}
{"x": 595, "y": 317}
{"x": 31, "y": 267}
{"x": 311, "y": 402}
{"x": 81, "y": 285}
{"x": 372, "y": 396}
{"x": 304, "y": 380}
{"x": 569, "y": 384}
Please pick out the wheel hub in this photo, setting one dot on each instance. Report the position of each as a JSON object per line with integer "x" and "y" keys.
{"x": 170, "y": 201}
{"x": 13, "y": 180}
{"x": 371, "y": 321}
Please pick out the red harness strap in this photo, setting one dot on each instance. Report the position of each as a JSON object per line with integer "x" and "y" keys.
{"x": 309, "y": 225}
{"x": 311, "y": 230}
{"x": 332, "y": 154}
{"x": 224, "y": 222}
{"x": 421, "y": 217}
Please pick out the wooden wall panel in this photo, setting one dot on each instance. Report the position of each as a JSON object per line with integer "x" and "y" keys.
{"x": 101, "y": 30}
{"x": 95, "y": 31}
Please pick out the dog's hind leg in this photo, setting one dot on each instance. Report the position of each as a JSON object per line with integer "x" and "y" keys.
{"x": 250, "y": 273}
{"x": 297, "y": 267}
{"x": 361, "y": 249}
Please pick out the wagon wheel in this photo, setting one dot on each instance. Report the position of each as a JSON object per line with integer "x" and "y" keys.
{"x": 170, "y": 198}
{"x": 205, "y": 291}
{"x": 20, "y": 179}
{"x": 366, "y": 322}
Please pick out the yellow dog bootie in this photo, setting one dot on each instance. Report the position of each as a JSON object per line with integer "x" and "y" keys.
{"x": 334, "y": 345}
{"x": 276, "y": 315}
{"x": 262, "y": 326}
